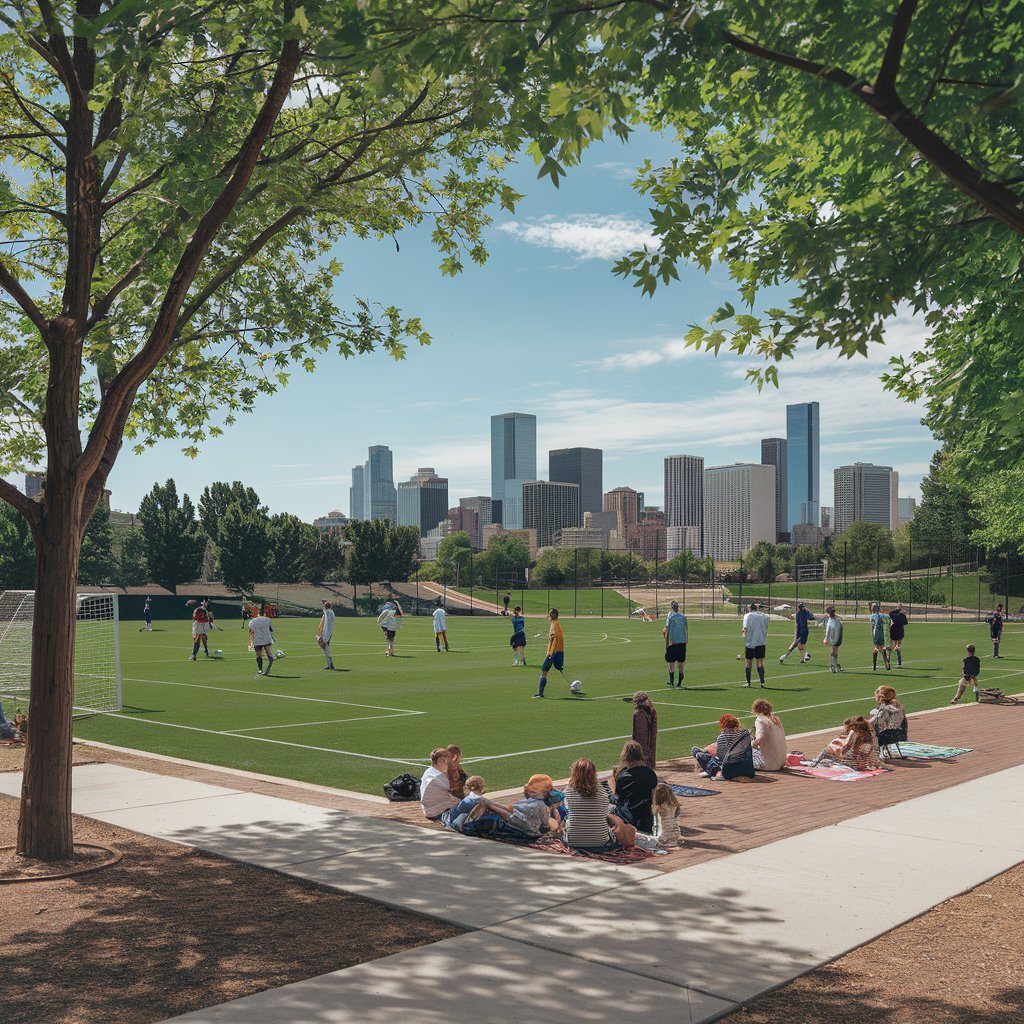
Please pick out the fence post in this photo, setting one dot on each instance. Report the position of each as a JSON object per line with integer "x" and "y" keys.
{"x": 656, "y": 546}
{"x": 739, "y": 606}
{"x": 470, "y": 582}
{"x": 910, "y": 577}
{"x": 629, "y": 584}
{"x": 878, "y": 572}
{"x": 1007, "y": 604}
{"x": 951, "y": 582}
{"x": 928, "y": 584}
{"x": 575, "y": 577}
{"x": 978, "y": 563}
{"x": 602, "y": 584}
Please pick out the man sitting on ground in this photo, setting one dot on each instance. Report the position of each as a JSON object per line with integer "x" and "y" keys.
{"x": 435, "y": 792}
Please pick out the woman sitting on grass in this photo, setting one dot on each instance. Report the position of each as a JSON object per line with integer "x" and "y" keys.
{"x": 590, "y": 824}
{"x": 769, "y": 738}
{"x": 731, "y": 755}
{"x": 889, "y": 716}
{"x": 634, "y": 784}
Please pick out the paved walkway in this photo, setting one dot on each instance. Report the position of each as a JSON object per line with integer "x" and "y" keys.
{"x": 583, "y": 939}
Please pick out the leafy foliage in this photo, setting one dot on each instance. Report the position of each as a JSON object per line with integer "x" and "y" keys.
{"x": 244, "y": 544}
{"x": 17, "y": 551}
{"x": 174, "y": 541}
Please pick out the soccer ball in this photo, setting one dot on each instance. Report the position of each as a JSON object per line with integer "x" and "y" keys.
{"x": 279, "y": 654}
{"x": 575, "y": 686}
{"x": 219, "y": 650}
{"x": 739, "y": 657}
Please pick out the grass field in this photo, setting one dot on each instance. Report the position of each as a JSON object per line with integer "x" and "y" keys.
{"x": 358, "y": 727}
{"x": 585, "y": 600}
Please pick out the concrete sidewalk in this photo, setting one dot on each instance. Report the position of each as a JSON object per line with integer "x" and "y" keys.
{"x": 685, "y": 946}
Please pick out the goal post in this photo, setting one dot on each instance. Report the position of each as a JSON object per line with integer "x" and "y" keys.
{"x": 97, "y": 650}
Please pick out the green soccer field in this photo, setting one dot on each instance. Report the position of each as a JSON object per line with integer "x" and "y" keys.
{"x": 377, "y": 717}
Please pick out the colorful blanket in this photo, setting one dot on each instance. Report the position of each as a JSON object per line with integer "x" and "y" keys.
{"x": 692, "y": 790}
{"x": 833, "y": 773}
{"x": 931, "y": 752}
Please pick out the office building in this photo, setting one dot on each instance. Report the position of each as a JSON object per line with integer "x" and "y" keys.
{"x": 866, "y": 493}
{"x": 826, "y": 517}
{"x": 549, "y": 507}
{"x": 513, "y": 463}
{"x": 380, "y": 500}
{"x": 802, "y": 464}
{"x": 356, "y": 494}
{"x": 684, "y": 494}
{"x": 465, "y": 520}
{"x": 481, "y": 506}
{"x": 681, "y": 538}
{"x": 906, "y": 510}
{"x": 623, "y": 501}
{"x": 581, "y": 537}
{"x": 423, "y": 500}
{"x": 773, "y": 453}
{"x": 606, "y": 522}
{"x": 739, "y": 509}
{"x": 647, "y": 539}
{"x": 808, "y": 535}
{"x": 35, "y": 484}
{"x": 581, "y": 466}
{"x": 333, "y": 523}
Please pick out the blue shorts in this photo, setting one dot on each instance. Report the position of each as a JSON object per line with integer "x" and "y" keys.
{"x": 557, "y": 659}
{"x": 801, "y": 637}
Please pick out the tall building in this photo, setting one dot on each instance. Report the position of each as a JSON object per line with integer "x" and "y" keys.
{"x": 773, "y": 453}
{"x": 802, "y": 464}
{"x": 739, "y": 509}
{"x": 333, "y": 523}
{"x": 513, "y": 463}
{"x": 423, "y": 500}
{"x": 581, "y": 466}
{"x": 581, "y": 537}
{"x": 480, "y": 506}
{"x": 35, "y": 484}
{"x": 906, "y": 510}
{"x": 356, "y": 494}
{"x": 623, "y": 502}
{"x": 380, "y": 501}
{"x": 606, "y": 522}
{"x": 549, "y": 507}
{"x": 681, "y": 538}
{"x": 866, "y": 493}
{"x": 684, "y": 494}
{"x": 826, "y": 517}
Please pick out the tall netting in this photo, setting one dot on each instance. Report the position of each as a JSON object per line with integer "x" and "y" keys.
{"x": 97, "y": 650}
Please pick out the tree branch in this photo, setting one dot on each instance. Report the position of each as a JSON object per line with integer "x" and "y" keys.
{"x": 885, "y": 82}
{"x": 26, "y": 506}
{"x": 12, "y": 286}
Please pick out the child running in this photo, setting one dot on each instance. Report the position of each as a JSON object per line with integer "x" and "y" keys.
{"x": 665, "y": 805}
{"x": 969, "y": 673}
{"x": 518, "y": 640}
{"x": 556, "y": 652}
{"x": 878, "y": 622}
{"x": 440, "y": 626}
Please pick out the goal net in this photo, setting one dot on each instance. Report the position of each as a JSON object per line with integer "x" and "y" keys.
{"x": 97, "y": 650}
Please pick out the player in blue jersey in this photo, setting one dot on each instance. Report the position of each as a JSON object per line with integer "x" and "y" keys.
{"x": 803, "y": 619}
{"x": 879, "y": 646}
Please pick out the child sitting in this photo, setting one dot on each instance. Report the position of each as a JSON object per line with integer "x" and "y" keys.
{"x": 665, "y": 805}
{"x": 456, "y": 773}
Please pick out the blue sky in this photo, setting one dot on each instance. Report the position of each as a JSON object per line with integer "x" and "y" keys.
{"x": 545, "y": 328}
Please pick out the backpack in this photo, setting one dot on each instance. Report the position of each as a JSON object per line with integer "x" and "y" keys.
{"x": 404, "y": 788}
{"x": 993, "y": 695}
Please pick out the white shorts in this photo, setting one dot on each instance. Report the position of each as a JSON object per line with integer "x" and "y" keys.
{"x": 199, "y": 629}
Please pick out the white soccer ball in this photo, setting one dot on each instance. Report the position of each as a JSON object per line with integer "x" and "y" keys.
{"x": 280, "y": 654}
{"x": 739, "y": 657}
{"x": 575, "y": 686}
{"x": 219, "y": 650}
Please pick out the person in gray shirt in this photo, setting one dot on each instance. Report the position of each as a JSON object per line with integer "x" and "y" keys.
{"x": 755, "y": 639}
{"x": 675, "y": 643}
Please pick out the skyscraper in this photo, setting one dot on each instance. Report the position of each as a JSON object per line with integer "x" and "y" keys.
{"x": 802, "y": 464}
{"x": 866, "y": 493}
{"x": 356, "y": 496}
{"x": 549, "y": 507}
{"x": 513, "y": 463}
{"x": 581, "y": 466}
{"x": 684, "y": 494}
{"x": 623, "y": 502}
{"x": 481, "y": 506}
{"x": 739, "y": 509}
{"x": 423, "y": 500}
{"x": 773, "y": 453}
{"x": 35, "y": 484}
{"x": 380, "y": 498}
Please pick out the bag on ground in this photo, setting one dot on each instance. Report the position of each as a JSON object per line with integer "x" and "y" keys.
{"x": 404, "y": 788}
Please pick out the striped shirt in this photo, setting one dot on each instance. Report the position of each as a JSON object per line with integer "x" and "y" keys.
{"x": 588, "y": 819}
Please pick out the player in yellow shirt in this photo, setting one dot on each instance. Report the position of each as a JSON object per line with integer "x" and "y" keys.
{"x": 556, "y": 652}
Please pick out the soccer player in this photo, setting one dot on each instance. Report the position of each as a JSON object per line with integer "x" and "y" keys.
{"x": 147, "y": 613}
{"x": 246, "y": 613}
{"x": 200, "y": 627}
{"x": 261, "y": 636}
{"x": 675, "y": 634}
{"x": 803, "y": 618}
{"x": 833, "y": 638}
{"x": 324, "y": 632}
{"x": 878, "y": 621}
{"x": 968, "y": 674}
{"x": 897, "y": 630}
{"x": 390, "y": 622}
{"x": 518, "y": 638}
{"x": 995, "y": 629}
{"x": 504, "y": 604}
{"x": 440, "y": 626}
{"x": 755, "y": 639}
{"x": 556, "y": 652}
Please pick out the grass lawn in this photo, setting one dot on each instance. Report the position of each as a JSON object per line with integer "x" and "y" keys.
{"x": 358, "y": 727}
{"x": 584, "y": 601}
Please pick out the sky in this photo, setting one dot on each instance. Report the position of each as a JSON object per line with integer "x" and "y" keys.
{"x": 544, "y": 328}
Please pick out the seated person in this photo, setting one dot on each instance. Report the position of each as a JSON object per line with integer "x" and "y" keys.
{"x": 731, "y": 754}
{"x": 665, "y": 805}
{"x": 633, "y": 784}
{"x": 435, "y": 793}
{"x": 528, "y": 818}
{"x": 889, "y": 716}
{"x": 769, "y": 738}
{"x": 590, "y": 823}
{"x": 859, "y": 748}
{"x": 835, "y": 747}
{"x": 8, "y": 730}
{"x": 456, "y": 773}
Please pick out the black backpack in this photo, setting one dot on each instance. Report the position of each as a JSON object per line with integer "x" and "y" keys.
{"x": 404, "y": 788}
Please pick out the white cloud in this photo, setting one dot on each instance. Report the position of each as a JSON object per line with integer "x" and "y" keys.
{"x": 647, "y": 352}
{"x": 587, "y": 236}
{"x": 618, "y": 169}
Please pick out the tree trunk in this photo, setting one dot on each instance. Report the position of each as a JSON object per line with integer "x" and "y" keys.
{"x": 44, "y": 830}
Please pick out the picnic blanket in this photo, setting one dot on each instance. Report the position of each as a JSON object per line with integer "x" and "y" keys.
{"x": 930, "y": 751}
{"x": 633, "y": 855}
{"x": 692, "y": 790}
{"x": 833, "y": 773}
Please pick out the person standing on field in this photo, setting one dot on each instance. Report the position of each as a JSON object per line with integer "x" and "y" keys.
{"x": 897, "y": 631}
{"x": 261, "y": 636}
{"x": 556, "y": 652}
{"x": 200, "y": 627}
{"x": 504, "y": 603}
{"x": 995, "y": 629}
{"x": 518, "y": 638}
{"x": 755, "y": 640}
{"x": 324, "y": 632}
{"x": 390, "y": 622}
{"x": 833, "y": 638}
{"x": 878, "y": 621}
{"x": 675, "y": 634}
{"x": 802, "y": 622}
{"x": 440, "y": 626}
{"x": 147, "y": 614}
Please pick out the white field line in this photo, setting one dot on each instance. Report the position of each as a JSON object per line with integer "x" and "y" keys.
{"x": 330, "y": 721}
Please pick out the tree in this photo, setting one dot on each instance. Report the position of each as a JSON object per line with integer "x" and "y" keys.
{"x": 128, "y": 568}
{"x": 325, "y": 559}
{"x": 17, "y": 551}
{"x": 173, "y": 176}
{"x": 452, "y": 553}
{"x": 765, "y": 561}
{"x": 401, "y": 553}
{"x": 216, "y": 497}
{"x": 945, "y": 517}
{"x": 289, "y": 541}
{"x": 504, "y": 555}
{"x": 97, "y": 549}
{"x": 866, "y": 545}
{"x": 244, "y": 543}
{"x": 553, "y": 567}
{"x": 174, "y": 543}
{"x": 365, "y": 559}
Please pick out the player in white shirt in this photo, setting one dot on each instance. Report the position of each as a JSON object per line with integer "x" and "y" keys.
{"x": 390, "y": 622}
{"x": 261, "y": 636}
{"x": 440, "y": 626}
{"x": 324, "y": 632}
{"x": 755, "y": 639}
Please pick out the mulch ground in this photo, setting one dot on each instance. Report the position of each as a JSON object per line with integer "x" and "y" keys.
{"x": 171, "y": 929}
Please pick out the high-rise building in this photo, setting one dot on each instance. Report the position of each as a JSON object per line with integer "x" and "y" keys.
{"x": 623, "y": 502}
{"x": 606, "y": 522}
{"x": 481, "y": 506}
{"x": 802, "y": 464}
{"x": 380, "y": 498}
{"x": 423, "y": 500}
{"x": 35, "y": 484}
{"x": 356, "y": 495}
{"x": 549, "y": 507}
{"x": 773, "y": 453}
{"x": 906, "y": 510}
{"x": 641, "y": 501}
{"x": 826, "y": 517}
{"x": 681, "y": 538}
{"x": 513, "y": 463}
{"x": 684, "y": 494}
{"x": 581, "y": 537}
{"x": 739, "y": 509}
{"x": 581, "y": 466}
{"x": 866, "y": 493}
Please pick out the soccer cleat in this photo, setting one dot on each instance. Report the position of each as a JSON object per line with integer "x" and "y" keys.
{"x": 540, "y": 695}
{"x": 192, "y": 657}
{"x": 514, "y": 663}
{"x": 782, "y": 660}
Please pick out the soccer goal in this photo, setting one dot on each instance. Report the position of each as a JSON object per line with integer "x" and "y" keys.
{"x": 97, "y": 650}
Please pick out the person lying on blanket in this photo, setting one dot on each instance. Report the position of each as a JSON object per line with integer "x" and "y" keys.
{"x": 528, "y": 818}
